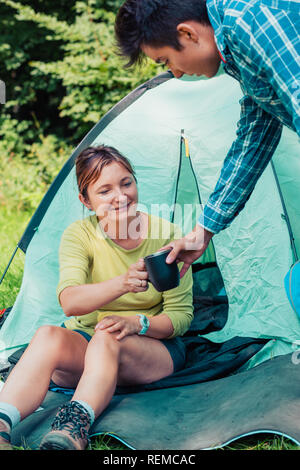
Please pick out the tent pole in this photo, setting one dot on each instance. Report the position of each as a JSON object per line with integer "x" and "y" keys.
{"x": 9, "y": 263}
{"x": 286, "y": 217}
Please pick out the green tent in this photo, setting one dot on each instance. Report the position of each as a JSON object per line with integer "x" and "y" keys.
{"x": 253, "y": 254}
{"x": 177, "y": 134}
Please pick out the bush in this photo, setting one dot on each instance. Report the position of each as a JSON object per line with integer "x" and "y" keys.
{"x": 62, "y": 75}
{"x": 27, "y": 170}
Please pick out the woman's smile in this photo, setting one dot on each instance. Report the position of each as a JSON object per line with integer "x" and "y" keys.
{"x": 122, "y": 208}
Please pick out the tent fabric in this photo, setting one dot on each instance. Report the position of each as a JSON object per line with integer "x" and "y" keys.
{"x": 264, "y": 399}
{"x": 253, "y": 254}
{"x": 177, "y": 133}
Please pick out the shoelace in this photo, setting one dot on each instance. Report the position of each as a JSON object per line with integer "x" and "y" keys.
{"x": 73, "y": 418}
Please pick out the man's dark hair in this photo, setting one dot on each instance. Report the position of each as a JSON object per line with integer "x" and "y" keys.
{"x": 154, "y": 23}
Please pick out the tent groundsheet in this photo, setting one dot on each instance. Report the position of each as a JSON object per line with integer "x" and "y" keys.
{"x": 207, "y": 415}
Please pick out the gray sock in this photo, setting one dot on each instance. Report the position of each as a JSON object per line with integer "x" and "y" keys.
{"x": 11, "y": 412}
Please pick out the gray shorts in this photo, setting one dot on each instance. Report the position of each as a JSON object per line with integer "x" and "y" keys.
{"x": 176, "y": 348}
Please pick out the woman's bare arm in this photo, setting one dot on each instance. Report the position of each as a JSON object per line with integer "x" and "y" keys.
{"x": 86, "y": 298}
{"x": 160, "y": 326}
{"x": 80, "y": 300}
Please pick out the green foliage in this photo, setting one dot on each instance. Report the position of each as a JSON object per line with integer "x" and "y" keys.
{"x": 70, "y": 72}
{"x": 26, "y": 171}
{"x": 90, "y": 70}
{"x": 22, "y": 42}
{"x": 62, "y": 74}
{"x": 13, "y": 225}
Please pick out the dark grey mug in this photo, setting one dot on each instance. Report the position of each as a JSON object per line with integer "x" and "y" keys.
{"x": 163, "y": 276}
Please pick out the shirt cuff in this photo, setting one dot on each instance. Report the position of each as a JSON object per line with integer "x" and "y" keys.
{"x": 208, "y": 220}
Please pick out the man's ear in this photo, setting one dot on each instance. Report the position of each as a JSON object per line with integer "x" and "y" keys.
{"x": 84, "y": 201}
{"x": 188, "y": 31}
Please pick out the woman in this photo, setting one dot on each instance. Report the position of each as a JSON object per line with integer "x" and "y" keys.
{"x": 119, "y": 330}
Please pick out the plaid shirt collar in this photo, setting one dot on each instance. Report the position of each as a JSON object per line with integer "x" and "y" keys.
{"x": 215, "y": 9}
{"x": 216, "y": 13}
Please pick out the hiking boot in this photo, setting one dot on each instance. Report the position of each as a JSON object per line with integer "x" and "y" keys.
{"x": 69, "y": 429}
{"x": 5, "y": 436}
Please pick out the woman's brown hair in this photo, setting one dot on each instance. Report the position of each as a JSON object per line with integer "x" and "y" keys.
{"x": 92, "y": 160}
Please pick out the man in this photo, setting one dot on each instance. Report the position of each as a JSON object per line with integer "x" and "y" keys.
{"x": 258, "y": 42}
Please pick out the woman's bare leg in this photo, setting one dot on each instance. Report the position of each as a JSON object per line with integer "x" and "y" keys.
{"x": 108, "y": 362}
{"x": 99, "y": 378}
{"x": 51, "y": 348}
{"x": 96, "y": 367}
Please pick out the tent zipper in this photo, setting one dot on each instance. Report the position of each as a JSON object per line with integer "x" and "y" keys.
{"x": 184, "y": 140}
{"x": 176, "y": 184}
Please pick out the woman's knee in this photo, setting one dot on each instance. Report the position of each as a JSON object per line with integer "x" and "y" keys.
{"x": 49, "y": 336}
{"x": 105, "y": 340}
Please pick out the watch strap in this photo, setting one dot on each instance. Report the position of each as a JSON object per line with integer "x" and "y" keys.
{"x": 144, "y": 322}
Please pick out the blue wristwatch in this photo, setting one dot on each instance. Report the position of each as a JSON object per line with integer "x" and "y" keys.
{"x": 144, "y": 322}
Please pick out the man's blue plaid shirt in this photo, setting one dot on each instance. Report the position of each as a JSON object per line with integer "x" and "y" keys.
{"x": 259, "y": 41}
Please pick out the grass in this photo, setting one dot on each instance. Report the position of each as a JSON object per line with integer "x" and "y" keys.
{"x": 254, "y": 442}
{"x": 263, "y": 442}
{"x": 106, "y": 442}
{"x": 13, "y": 225}
{"x": 257, "y": 442}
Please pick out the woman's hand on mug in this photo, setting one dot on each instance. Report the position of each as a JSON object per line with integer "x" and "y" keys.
{"x": 126, "y": 326}
{"x": 136, "y": 278}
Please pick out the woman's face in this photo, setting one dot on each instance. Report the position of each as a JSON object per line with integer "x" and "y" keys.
{"x": 113, "y": 196}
